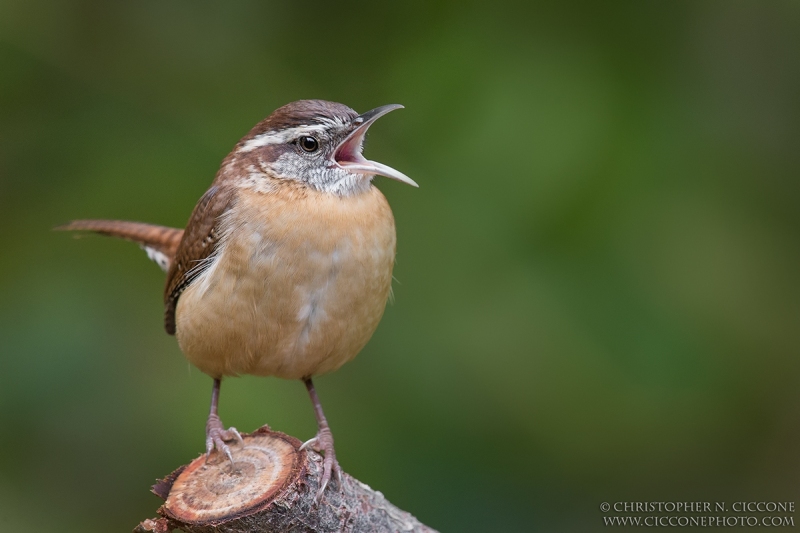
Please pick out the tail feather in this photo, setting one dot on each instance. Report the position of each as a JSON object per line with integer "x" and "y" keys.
{"x": 160, "y": 242}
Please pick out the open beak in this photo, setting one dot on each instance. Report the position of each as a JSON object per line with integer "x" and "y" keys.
{"x": 348, "y": 153}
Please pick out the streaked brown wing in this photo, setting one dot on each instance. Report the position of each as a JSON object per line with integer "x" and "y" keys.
{"x": 200, "y": 241}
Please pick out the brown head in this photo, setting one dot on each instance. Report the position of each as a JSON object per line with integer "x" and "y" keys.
{"x": 316, "y": 143}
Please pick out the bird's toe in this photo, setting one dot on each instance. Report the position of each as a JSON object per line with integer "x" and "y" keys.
{"x": 323, "y": 443}
{"x": 217, "y": 437}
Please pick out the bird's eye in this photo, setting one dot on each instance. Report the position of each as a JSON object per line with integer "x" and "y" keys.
{"x": 308, "y": 143}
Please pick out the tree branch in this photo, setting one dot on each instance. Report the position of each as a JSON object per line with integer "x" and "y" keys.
{"x": 270, "y": 488}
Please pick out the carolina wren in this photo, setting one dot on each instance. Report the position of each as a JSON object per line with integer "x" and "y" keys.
{"x": 285, "y": 266}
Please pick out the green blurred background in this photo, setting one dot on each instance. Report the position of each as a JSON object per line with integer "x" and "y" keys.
{"x": 597, "y": 292}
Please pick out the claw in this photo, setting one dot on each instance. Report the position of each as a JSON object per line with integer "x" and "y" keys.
{"x": 217, "y": 435}
{"x": 310, "y": 443}
{"x": 323, "y": 443}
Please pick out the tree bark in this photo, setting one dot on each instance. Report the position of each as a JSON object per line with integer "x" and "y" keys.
{"x": 270, "y": 488}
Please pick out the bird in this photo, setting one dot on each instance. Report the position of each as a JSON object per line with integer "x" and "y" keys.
{"x": 285, "y": 266}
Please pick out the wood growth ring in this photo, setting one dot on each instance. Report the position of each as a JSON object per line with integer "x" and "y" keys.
{"x": 208, "y": 491}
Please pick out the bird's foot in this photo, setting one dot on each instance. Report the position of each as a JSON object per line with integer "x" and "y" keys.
{"x": 323, "y": 443}
{"x": 217, "y": 435}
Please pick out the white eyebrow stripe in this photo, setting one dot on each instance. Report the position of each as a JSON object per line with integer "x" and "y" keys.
{"x": 284, "y": 136}
{"x": 278, "y": 137}
{"x": 262, "y": 140}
